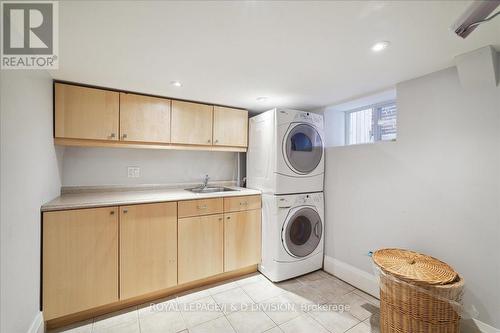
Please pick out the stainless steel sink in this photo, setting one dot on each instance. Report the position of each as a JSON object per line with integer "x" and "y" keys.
{"x": 210, "y": 189}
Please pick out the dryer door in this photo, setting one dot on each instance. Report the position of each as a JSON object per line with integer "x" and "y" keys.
{"x": 302, "y": 148}
{"x": 302, "y": 232}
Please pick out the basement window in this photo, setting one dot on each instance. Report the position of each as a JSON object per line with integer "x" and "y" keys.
{"x": 371, "y": 123}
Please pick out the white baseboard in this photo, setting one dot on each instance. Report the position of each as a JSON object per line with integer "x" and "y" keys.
{"x": 37, "y": 326}
{"x": 474, "y": 326}
{"x": 352, "y": 275}
{"x": 369, "y": 284}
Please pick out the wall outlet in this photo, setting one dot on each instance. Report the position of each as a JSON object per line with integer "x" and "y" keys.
{"x": 133, "y": 172}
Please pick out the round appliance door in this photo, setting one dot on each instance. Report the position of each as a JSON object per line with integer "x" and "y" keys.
{"x": 302, "y": 232}
{"x": 303, "y": 148}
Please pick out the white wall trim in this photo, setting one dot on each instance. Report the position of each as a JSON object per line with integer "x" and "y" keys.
{"x": 352, "y": 275}
{"x": 369, "y": 284}
{"x": 37, "y": 324}
{"x": 484, "y": 328}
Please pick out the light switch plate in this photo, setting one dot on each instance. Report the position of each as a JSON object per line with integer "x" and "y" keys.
{"x": 133, "y": 172}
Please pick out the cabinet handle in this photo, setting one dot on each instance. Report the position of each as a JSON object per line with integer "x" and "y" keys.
{"x": 244, "y": 203}
{"x": 216, "y": 141}
{"x": 229, "y": 217}
{"x": 220, "y": 218}
{"x": 125, "y": 211}
{"x": 124, "y": 136}
{"x": 112, "y": 212}
{"x": 202, "y": 207}
{"x": 209, "y": 140}
{"x": 112, "y": 135}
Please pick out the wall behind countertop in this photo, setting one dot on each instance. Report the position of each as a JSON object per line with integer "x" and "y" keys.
{"x": 108, "y": 166}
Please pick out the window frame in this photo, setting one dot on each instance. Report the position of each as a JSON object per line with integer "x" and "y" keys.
{"x": 375, "y": 118}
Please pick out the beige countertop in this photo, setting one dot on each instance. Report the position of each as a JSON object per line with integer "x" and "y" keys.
{"x": 104, "y": 198}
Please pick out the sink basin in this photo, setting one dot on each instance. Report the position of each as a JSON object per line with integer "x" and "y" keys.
{"x": 210, "y": 189}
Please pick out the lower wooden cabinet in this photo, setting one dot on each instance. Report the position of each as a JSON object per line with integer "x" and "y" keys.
{"x": 80, "y": 260}
{"x": 242, "y": 239}
{"x": 148, "y": 248}
{"x": 200, "y": 247}
{"x": 103, "y": 256}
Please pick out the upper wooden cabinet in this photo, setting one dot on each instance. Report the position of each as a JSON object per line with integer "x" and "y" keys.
{"x": 230, "y": 127}
{"x": 86, "y": 113}
{"x": 191, "y": 123}
{"x": 144, "y": 118}
{"x": 93, "y": 117}
{"x": 148, "y": 248}
{"x": 80, "y": 260}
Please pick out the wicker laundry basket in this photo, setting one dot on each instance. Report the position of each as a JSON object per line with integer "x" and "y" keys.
{"x": 418, "y": 293}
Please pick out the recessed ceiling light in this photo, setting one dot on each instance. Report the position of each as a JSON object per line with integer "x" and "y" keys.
{"x": 176, "y": 83}
{"x": 379, "y": 46}
{"x": 262, "y": 99}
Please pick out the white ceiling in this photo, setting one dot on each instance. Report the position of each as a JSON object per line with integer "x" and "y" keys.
{"x": 299, "y": 54}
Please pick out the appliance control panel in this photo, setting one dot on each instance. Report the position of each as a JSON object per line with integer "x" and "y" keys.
{"x": 309, "y": 117}
{"x": 287, "y": 116}
{"x": 299, "y": 200}
{"x": 284, "y": 202}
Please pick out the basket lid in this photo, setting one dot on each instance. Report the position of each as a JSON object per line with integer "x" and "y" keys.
{"x": 414, "y": 267}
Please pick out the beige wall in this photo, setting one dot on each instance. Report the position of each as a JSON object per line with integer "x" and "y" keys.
{"x": 104, "y": 166}
{"x": 435, "y": 190}
{"x": 29, "y": 176}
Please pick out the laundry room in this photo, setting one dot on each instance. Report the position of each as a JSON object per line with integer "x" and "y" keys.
{"x": 250, "y": 166}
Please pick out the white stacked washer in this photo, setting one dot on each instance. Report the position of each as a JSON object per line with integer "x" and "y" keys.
{"x": 285, "y": 160}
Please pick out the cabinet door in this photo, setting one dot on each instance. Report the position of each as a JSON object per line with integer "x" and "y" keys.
{"x": 86, "y": 113}
{"x": 144, "y": 118}
{"x": 242, "y": 239}
{"x": 191, "y": 123}
{"x": 230, "y": 127}
{"x": 80, "y": 260}
{"x": 148, "y": 248}
{"x": 200, "y": 247}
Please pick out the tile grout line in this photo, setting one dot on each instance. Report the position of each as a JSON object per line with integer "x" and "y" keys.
{"x": 320, "y": 324}
{"x": 243, "y": 290}
{"x": 225, "y": 316}
{"x": 263, "y": 301}
{"x": 216, "y": 304}
{"x": 361, "y": 322}
{"x": 301, "y": 283}
{"x": 138, "y": 319}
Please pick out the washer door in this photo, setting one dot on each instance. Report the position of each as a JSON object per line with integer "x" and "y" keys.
{"x": 302, "y": 232}
{"x": 303, "y": 148}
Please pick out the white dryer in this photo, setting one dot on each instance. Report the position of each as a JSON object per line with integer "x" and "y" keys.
{"x": 286, "y": 152}
{"x": 292, "y": 235}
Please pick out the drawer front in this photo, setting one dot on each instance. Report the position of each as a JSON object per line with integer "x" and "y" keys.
{"x": 236, "y": 204}
{"x": 200, "y": 207}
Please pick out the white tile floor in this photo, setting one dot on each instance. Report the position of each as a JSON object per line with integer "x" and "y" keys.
{"x": 249, "y": 304}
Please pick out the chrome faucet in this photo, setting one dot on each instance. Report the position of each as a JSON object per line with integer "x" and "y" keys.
{"x": 205, "y": 181}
